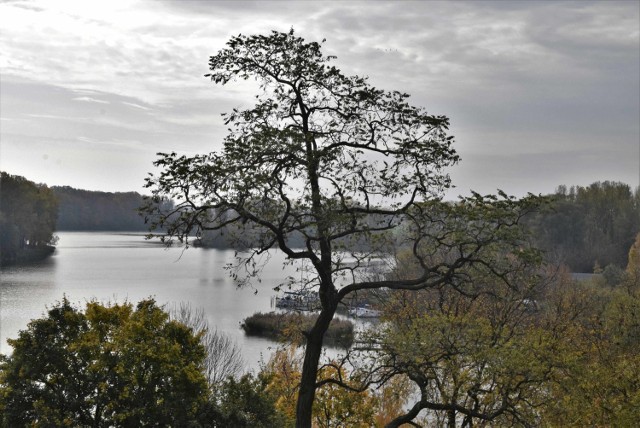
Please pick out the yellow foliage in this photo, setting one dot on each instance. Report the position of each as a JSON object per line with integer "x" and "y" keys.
{"x": 334, "y": 406}
{"x": 633, "y": 266}
{"x": 283, "y": 371}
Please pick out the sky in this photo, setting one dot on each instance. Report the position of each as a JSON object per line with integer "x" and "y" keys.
{"x": 539, "y": 93}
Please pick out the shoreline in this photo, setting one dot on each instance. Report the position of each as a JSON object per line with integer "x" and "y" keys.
{"x": 28, "y": 255}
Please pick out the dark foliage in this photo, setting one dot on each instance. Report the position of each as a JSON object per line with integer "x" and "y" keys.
{"x": 88, "y": 210}
{"x": 288, "y": 325}
{"x": 247, "y": 403}
{"x": 27, "y": 219}
{"x": 590, "y": 227}
{"x": 105, "y": 366}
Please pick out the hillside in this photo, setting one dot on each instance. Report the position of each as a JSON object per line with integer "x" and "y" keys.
{"x": 90, "y": 210}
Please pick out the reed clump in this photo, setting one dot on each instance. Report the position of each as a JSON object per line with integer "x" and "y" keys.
{"x": 289, "y": 327}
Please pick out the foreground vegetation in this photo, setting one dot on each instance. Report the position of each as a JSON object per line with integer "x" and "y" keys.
{"x": 532, "y": 349}
{"x": 569, "y": 359}
{"x": 104, "y": 366}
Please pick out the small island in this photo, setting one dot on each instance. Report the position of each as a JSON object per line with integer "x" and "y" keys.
{"x": 288, "y": 326}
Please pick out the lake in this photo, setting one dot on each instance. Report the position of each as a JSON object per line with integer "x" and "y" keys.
{"x": 124, "y": 266}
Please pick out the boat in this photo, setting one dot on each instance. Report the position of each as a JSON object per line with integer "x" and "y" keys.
{"x": 364, "y": 311}
{"x": 298, "y": 301}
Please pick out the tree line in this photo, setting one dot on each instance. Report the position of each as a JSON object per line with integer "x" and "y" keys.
{"x": 589, "y": 228}
{"x": 28, "y": 214}
{"x": 99, "y": 211}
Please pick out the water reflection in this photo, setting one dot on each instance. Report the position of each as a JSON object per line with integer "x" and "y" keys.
{"x": 118, "y": 267}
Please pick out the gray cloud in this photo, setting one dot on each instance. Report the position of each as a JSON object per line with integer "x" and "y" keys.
{"x": 90, "y": 100}
{"x": 550, "y": 84}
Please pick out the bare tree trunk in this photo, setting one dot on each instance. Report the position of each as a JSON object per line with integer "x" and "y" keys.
{"x": 313, "y": 351}
{"x": 451, "y": 416}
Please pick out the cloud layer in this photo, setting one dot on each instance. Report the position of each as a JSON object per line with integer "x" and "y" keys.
{"x": 539, "y": 93}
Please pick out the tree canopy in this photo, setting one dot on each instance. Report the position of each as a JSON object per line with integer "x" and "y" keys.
{"x": 589, "y": 226}
{"x": 116, "y": 365}
{"x": 476, "y": 356}
{"x": 328, "y": 160}
{"x": 28, "y": 213}
{"x": 89, "y": 210}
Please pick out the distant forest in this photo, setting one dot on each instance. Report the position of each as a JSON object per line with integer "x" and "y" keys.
{"x": 589, "y": 229}
{"x": 586, "y": 228}
{"x": 27, "y": 219}
{"x": 88, "y": 210}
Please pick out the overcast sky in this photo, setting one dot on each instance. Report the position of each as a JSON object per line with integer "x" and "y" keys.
{"x": 539, "y": 93}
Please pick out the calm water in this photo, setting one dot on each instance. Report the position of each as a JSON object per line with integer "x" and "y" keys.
{"x": 118, "y": 267}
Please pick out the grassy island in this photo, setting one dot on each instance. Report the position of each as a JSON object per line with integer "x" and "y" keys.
{"x": 288, "y": 326}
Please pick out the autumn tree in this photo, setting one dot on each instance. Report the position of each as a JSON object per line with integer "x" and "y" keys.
{"x": 334, "y": 405}
{"x": 473, "y": 359}
{"x": 325, "y": 167}
{"x": 116, "y": 365}
{"x": 599, "y": 384}
{"x": 633, "y": 264}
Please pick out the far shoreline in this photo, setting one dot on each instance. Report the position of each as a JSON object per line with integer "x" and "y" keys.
{"x": 28, "y": 255}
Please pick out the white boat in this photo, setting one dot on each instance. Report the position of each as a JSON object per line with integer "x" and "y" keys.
{"x": 298, "y": 301}
{"x": 364, "y": 312}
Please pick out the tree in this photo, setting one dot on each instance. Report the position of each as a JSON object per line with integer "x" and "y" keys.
{"x": 633, "y": 264}
{"x": 334, "y": 405}
{"x": 107, "y": 366}
{"x": 473, "y": 359}
{"x": 590, "y": 225}
{"x": 613, "y": 275}
{"x": 223, "y": 356}
{"x": 248, "y": 402}
{"x": 28, "y": 213}
{"x": 329, "y": 161}
{"x": 599, "y": 384}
